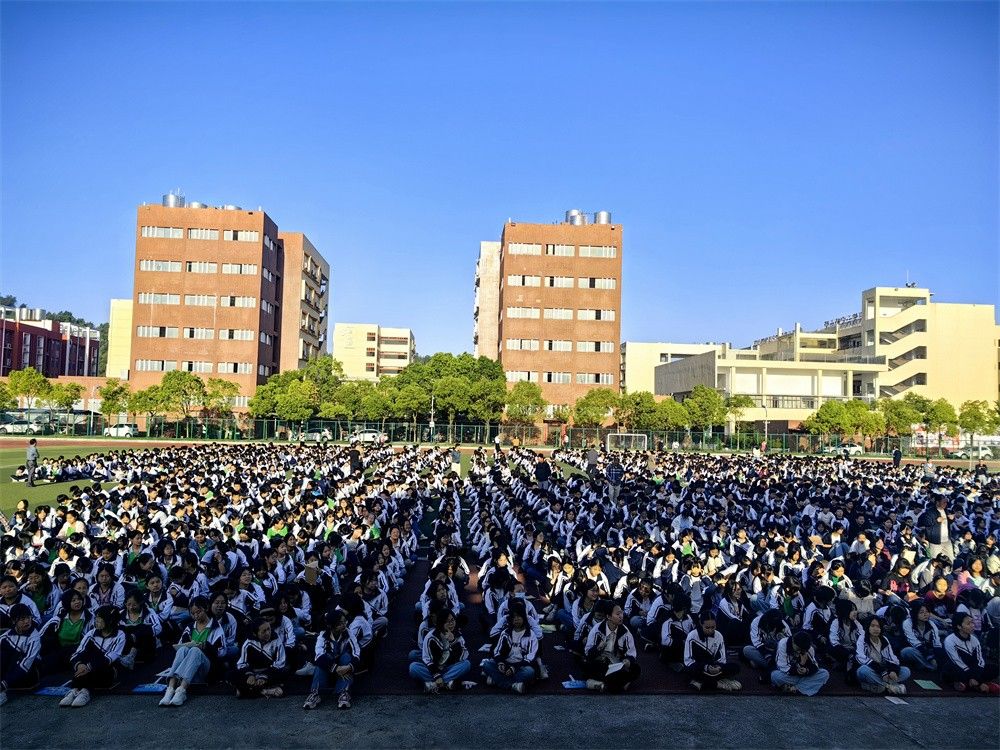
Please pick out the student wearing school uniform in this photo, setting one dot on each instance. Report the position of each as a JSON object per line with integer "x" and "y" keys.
{"x": 200, "y": 654}
{"x": 95, "y": 660}
{"x": 879, "y": 671}
{"x": 610, "y": 656}
{"x": 444, "y": 659}
{"x": 261, "y": 669}
{"x": 705, "y": 657}
{"x": 845, "y": 630}
{"x": 20, "y": 648}
{"x": 142, "y": 628}
{"x": 966, "y": 668}
{"x": 336, "y": 655}
{"x": 817, "y": 618}
{"x": 63, "y": 634}
{"x": 734, "y": 616}
{"x": 796, "y": 668}
{"x": 516, "y": 648}
{"x": 923, "y": 647}
{"x": 674, "y": 631}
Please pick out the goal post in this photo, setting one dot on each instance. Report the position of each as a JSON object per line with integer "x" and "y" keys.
{"x": 627, "y": 441}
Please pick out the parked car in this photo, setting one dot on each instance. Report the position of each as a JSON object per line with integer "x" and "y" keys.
{"x": 316, "y": 435}
{"x": 368, "y": 436}
{"x": 22, "y": 427}
{"x": 976, "y": 451}
{"x": 853, "y": 449}
{"x": 122, "y": 430}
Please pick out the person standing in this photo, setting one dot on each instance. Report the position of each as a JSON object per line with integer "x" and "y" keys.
{"x": 936, "y": 522}
{"x": 615, "y": 473}
{"x": 897, "y": 457}
{"x": 542, "y": 473}
{"x": 31, "y": 461}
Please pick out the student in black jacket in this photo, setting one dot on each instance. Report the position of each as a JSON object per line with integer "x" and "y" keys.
{"x": 95, "y": 660}
{"x": 705, "y": 657}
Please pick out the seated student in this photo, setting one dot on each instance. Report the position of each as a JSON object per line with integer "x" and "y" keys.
{"x": 9, "y": 596}
{"x": 965, "y": 667}
{"x": 817, "y": 618}
{"x": 705, "y": 657}
{"x": 844, "y": 633}
{"x": 797, "y": 670}
{"x": 878, "y": 668}
{"x": 95, "y": 660}
{"x": 444, "y": 659}
{"x": 610, "y": 656}
{"x": 200, "y": 654}
{"x": 734, "y": 616}
{"x": 161, "y": 604}
{"x": 583, "y": 607}
{"x": 63, "y": 634}
{"x": 698, "y": 587}
{"x": 674, "y": 631}
{"x": 260, "y": 669}
{"x": 638, "y": 603}
{"x": 787, "y": 597}
{"x": 516, "y": 648}
{"x": 142, "y": 628}
{"x": 19, "y": 650}
{"x": 336, "y": 655}
{"x": 923, "y": 639}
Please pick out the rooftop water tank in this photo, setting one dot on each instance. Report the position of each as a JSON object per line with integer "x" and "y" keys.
{"x": 571, "y": 213}
{"x": 578, "y": 220}
{"x": 602, "y": 217}
{"x": 196, "y": 204}
{"x": 173, "y": 200}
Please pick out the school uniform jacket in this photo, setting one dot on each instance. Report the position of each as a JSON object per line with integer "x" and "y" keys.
{"x": 624, "y": 642}
{"x": 964, "y": 654}
{"x": 845, "y": 634}
{"x": 327, "y": 649}
{"x": 787, "y": 662}
{"x": 516, "y": 648}
{"x": 110, "y": 647}
{"x": 817, "y": 619}
{"x": 437, "y": 654}
{"x": 930, "y": 638}
{"x": 215, "y": 646}
{"x": 27, "y": 646}
{"x": 700, "y": 650}
{"x": 260, "y": 657}
{"x": 878, "y": 656}
{"x": 675, "y": 631}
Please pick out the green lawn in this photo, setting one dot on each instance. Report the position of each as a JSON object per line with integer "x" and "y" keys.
{"x": 42, "y": 494}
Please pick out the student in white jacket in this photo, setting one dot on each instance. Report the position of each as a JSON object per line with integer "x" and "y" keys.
{"x": 879, "y": 671}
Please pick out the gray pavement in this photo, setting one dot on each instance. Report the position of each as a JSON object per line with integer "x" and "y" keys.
{"x": 491, "y": 721}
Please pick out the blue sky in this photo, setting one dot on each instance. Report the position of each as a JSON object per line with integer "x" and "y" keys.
{"x": 768, "y": 161}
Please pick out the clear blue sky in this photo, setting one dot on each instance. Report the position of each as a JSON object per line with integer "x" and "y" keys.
{"x": 768, "y": 161}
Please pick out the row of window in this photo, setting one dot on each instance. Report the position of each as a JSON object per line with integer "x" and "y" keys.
{"x": 223, "y": 368}
{"x": 196, "y": 233}
{"x": 555, "y": 345}
{"x": 561, "y": 282}
{"x": 201, "y": 300}
{"x": 559, "y": 313}
{"x": 201, "y": 266}
{"x": 565, "y": 251}
{"x": 582, "y": 378}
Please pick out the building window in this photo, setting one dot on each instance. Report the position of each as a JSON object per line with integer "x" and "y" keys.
{"x": 269, "y": 243}
{"x": 523, "y": 312}
{"x": 233, "y": 301}
{"x": 202, "y": 266}
{"x": 394, "y": 341}
{"x": 595, "y": 378}
{"x": 235, "y": 368}
{"x": 369, "y": 367}
{"x": 154, "y": 365}
{"x": 235, "y": 334}
{"x": 244, "y": 269}
{"x": 199, "y": 333}
{"x": 264, "y": 305}
{"x": 565, "y": 251}
{"x": 515, "y": 280}
{"x": 520, "y": 376}
{"x": 196, "y": 366}
{"x": 595, "y": 346}
{"x": 158, "y": 298}
{"x": 595, "y": 315}
{"x": 265, "y": 338}
{"x": 164, "y": 233}
{"x": 555, "y": 377}
{"x": 598, "y": 251}
{"x": 597, "y": 283}
{"x": 522, "y": 345}
{"x": 267, "y": 274}
{"x": 200, "y": 300}
{"x": 166, "y": 266}
{"x": 370, "y": 337}
{"x": 524, "y": 248}
{"x": 264, "y": 370}
{"x": 555, "y": 345}
{"x": 370, "y": 351}
{"x": 241, "y": 235}
{"x": 203, "y": 234}
{"x": 240, "y": 401}
{"x": 558, "y": 313}
{"x": 559, "y": 282}
{"x": 155, "y": 332}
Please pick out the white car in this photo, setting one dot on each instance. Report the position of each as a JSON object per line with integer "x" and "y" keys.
{"x": 22, "y": 427}
{"x": 977, "y": 451}
{"x": 853, "y": 449}
{"x": 315, "y": 436}
{"x": 368, "y": 436}
{"x": 122, "y": 430}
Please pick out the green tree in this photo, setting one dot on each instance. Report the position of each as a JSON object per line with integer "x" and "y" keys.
{"x": 452, "y": 395}
{"x": 64, "y": 396}
{"x": 219, "y": 396}
{"x": 7, "y": 400}
{"x": 299, "y": 401}
{"x": 148, "y": 401}
{"x": 561, "y": 414}
{"x": 900, "y": 416}
{"x": 637, "y": 411}
{"x": 830, "y": 419}
{"x": 326, "y": 373}
{"x": 411, "y": 402}
{"x": 102, "y": 357}
{"x": 705, "y": 407}
{"x": 114, "y": 396}
{"x": 671, "y": 415}
{"x": 487, "y": 398}
{"x": 378, "y": 404}
{"x": 920, "y": 404}
{"x": 736, "y": 406}
{"x": 594, "y": 407}
{"x": 976, "y": 418}
{"x": 28, "y": 384}
{"x": 182, "y": 392}
{"x": 941, "y": 418}
{"x": 525, "y": 404}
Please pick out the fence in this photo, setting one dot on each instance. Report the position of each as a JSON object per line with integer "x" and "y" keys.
{"x": 242, "y": 427}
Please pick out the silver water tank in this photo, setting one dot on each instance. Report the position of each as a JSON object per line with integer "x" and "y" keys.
{"x": 173, "y": 200}
{"x": 602, "y": 217}
{"x": 578, "y": 220}
{"x": 197, "y": 204}
{"x": 571, "y": 213}
{"x": 231, "y": 207}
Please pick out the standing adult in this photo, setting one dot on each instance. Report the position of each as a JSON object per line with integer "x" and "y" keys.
{"x": 615, "y": 473}
{"x": 31, "y": 461}
{"x": 897, "y": 457}
{"x": 542, "y": 473}
{"x": 592, "y": 456}
{"x": 936, "y": 523}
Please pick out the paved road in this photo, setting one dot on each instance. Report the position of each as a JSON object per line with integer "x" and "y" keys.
{"x": 508, "y": 722}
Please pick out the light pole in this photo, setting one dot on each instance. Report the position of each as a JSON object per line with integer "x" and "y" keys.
{"x": 764, "y": 404}
{"x": 433, "y": 440}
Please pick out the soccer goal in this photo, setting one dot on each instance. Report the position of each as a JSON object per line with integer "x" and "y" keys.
{"x": 624, "y": 441}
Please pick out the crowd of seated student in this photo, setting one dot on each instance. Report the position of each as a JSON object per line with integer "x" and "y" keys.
{"x": 272, "y": 568}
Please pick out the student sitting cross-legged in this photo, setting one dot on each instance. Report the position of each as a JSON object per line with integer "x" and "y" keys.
{"x": 610, "y": 653}
{"x": 705, "y": 657}
{"x": 515, "y": 650}
{"x": 444, "y": 657}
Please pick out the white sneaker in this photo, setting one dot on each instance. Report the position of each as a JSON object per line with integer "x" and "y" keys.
{"x": 543, "y": 672}
{"x": 69, "y": 698}
{"x": 869, "y": 688}
{"x": 517, "y": 687}
{"x": 729, "y": 685}
{"x": 896, "y": 688}
{"x": 306, "y": 671}
{"x": 430, "y": 687}
{"x": 595, "y": 685}
{"x": 82, "y": 698}
{"x": 167, "y": 697}
{"x": 180, "y": 695}
{"x": 128, "y": 660}
{"x": 3, "y": 697}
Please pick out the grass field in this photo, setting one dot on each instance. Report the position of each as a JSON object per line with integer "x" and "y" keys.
{"x": 42, "y": 494}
